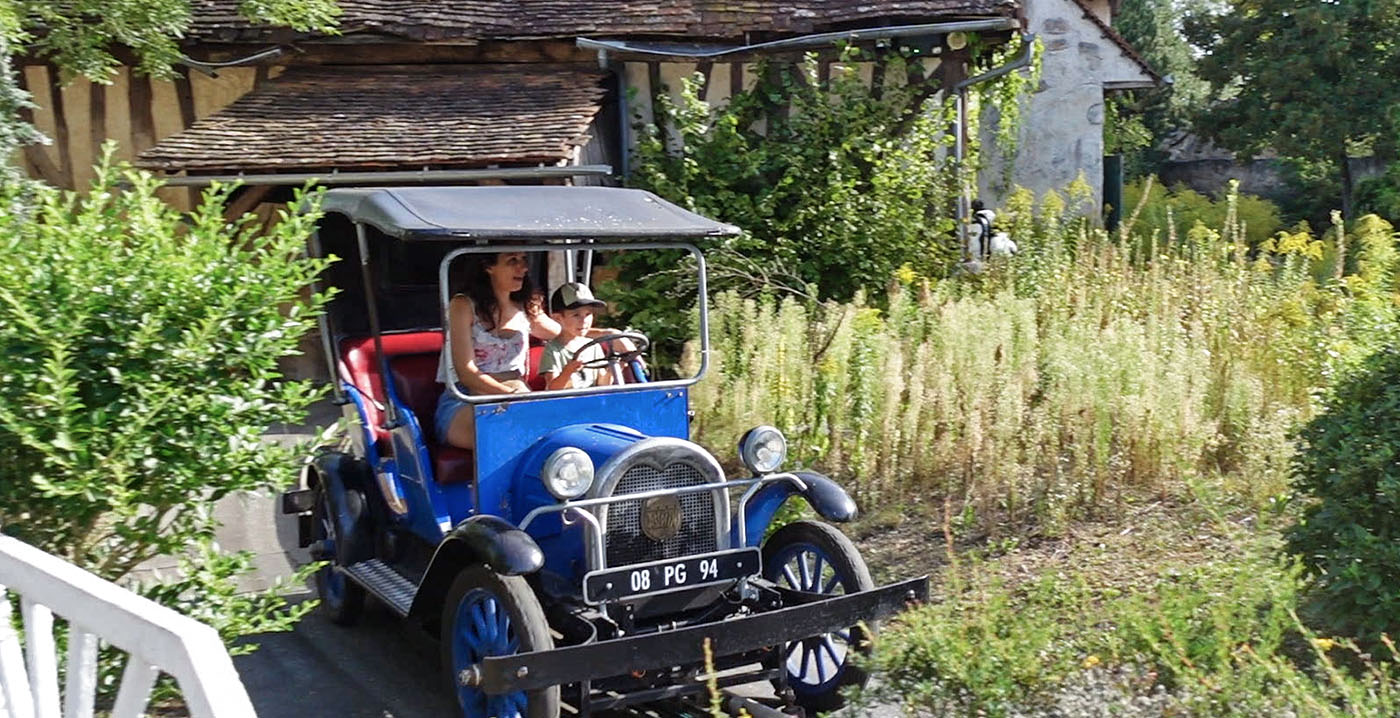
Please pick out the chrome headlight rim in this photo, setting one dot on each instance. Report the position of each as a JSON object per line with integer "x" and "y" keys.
{"x": 557, "y": 463}
{"x": 757, "y": 452}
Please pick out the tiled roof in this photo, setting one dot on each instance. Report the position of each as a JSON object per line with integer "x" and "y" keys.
{"x": 218, "y": 20}
{"x": 368, "y": 117}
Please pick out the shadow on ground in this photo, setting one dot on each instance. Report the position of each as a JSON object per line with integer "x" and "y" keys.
{"x": 380, "y": 668}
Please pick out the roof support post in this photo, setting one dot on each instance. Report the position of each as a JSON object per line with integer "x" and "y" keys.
{"x": 323, "y": 324}
{"x": 362, "y": 241}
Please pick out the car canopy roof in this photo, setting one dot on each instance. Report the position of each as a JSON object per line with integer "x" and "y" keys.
{"x": 520, "y": 212}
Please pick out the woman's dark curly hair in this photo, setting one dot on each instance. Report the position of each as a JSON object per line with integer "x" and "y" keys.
{"x": 469, "y": 277}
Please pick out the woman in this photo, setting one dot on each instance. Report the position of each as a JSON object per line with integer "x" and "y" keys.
{"x": 489, "y": 320}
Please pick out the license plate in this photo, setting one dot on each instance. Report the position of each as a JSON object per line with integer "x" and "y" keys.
{"x": 670, "y": 575}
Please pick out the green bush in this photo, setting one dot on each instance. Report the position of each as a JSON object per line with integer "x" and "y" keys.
{"x": 1184, "y": 208}
{"x": 835, "y": 183}
{"x": 139, "y": 354}
{"x": 1348, "y": 468}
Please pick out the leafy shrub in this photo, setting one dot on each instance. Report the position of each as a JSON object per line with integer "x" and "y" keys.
{"x": 833, "y": 182}
{"x": 139, "y": 356}
{"x": 837, "y": 183}
{"x": 1185, "y": 208}
{"x": 1348, "y": 467}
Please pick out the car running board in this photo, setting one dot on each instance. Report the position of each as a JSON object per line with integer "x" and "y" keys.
{"x": 385, "y": 583}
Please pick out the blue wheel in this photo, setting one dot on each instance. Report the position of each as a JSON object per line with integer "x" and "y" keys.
{"x": 487, "y": 614}
{"x": 817, "y": 558}
{"x": 341, "y": 599}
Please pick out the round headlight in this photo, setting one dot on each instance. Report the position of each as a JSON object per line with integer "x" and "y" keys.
{"x": 567, "y": 473}
{"x": 763, "y": 449}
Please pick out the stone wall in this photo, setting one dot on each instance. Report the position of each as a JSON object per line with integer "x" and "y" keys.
{"x": 1062, "y": 133}
{"x": 1263, "y": 177}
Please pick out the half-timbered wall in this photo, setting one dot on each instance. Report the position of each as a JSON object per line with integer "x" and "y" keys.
{"x": 135, "y": 112}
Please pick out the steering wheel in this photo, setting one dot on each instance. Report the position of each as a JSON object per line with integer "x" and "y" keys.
{"x": 613, "y": 358}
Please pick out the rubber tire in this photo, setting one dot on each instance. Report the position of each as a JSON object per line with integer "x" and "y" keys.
{"x": 846, "y": 561}
{"x": 526, "y": 615}
{"x": 346, "y": 610}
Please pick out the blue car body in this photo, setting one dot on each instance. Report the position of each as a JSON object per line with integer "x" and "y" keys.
{"x": 658, "y": 556}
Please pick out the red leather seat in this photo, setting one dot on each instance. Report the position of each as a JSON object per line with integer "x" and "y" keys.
{"x": 415, "y": 381}
{"x": 452, "y": 465}
{"x": 360, "y": 367}
{"x": 533, "y": 378}
{"x": 413, "y": 362}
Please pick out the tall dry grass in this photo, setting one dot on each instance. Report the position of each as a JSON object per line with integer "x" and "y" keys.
{"x": 1087, "y": 368}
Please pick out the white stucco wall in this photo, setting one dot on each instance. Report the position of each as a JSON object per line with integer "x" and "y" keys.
{"x": 1062, "y": 130}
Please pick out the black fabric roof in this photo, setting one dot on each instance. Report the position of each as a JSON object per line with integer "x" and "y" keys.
{"x": 523, "y": 212}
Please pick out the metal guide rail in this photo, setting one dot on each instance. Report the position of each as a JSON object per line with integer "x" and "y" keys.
{"x": 683, "y": 646}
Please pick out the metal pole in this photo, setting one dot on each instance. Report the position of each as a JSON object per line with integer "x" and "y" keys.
{"x": 960, "y": 156}
{"x": 1113, "y": 189}
{"x": 815, "y": 40}
{"x": 370, "y": 299}
{"x": 323, "y": 323}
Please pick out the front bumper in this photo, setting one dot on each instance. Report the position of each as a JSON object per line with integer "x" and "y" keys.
{"x": 686, "y": 646}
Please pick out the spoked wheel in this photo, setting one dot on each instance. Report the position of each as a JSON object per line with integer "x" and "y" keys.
{"x": 342, "y": 599}
{"x": 816, "y": 558}
{"x": 487, "y": 614}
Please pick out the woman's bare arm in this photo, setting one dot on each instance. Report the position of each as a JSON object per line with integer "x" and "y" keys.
{"x": 541, "y": 324}
{"x": 460, "y": 316}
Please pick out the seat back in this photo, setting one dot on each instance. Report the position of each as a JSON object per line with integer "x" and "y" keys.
{"x": 415, "y": 381}
{"x": 533, "y": 378}
{"x": 360, "y": 367}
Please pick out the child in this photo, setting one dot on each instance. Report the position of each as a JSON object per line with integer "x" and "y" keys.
{"x": 573, "y": 305}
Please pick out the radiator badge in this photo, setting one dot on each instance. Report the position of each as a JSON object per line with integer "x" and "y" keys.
{"x": 661, "y": 517}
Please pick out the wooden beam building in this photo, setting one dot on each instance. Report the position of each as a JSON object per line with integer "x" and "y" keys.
{"x": 432, "y": 86}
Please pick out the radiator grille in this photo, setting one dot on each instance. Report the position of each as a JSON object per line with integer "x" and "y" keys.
{"x": 626, "y": 542}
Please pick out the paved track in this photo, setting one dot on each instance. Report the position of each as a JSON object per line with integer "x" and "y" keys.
{"x": 381, "y": 668}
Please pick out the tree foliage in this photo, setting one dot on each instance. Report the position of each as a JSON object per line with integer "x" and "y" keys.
{"x": 1154, "y": 28}
{"x": 79, "y": 35}
{"x": 838, "y": 182}
{"x": 138, "y": 367}
{"x": 1313, "y": 80}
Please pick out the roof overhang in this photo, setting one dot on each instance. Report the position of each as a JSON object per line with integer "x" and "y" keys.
{"x": 1133, "y": 85}
{"x": 394, "y": 118}
{"x": 520, "y": 213}
{"x": 463, "y": 22}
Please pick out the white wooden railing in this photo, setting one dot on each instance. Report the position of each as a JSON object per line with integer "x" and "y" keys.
{"x": 155, "y": 638}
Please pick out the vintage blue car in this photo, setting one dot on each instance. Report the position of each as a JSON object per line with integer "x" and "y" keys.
{"x": 586, "y": 551}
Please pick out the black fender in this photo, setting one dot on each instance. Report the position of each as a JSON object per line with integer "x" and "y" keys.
{"x": 480, "y": 540}
{"x": 826, "y": 497}
{"x": 345, "y": 478}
